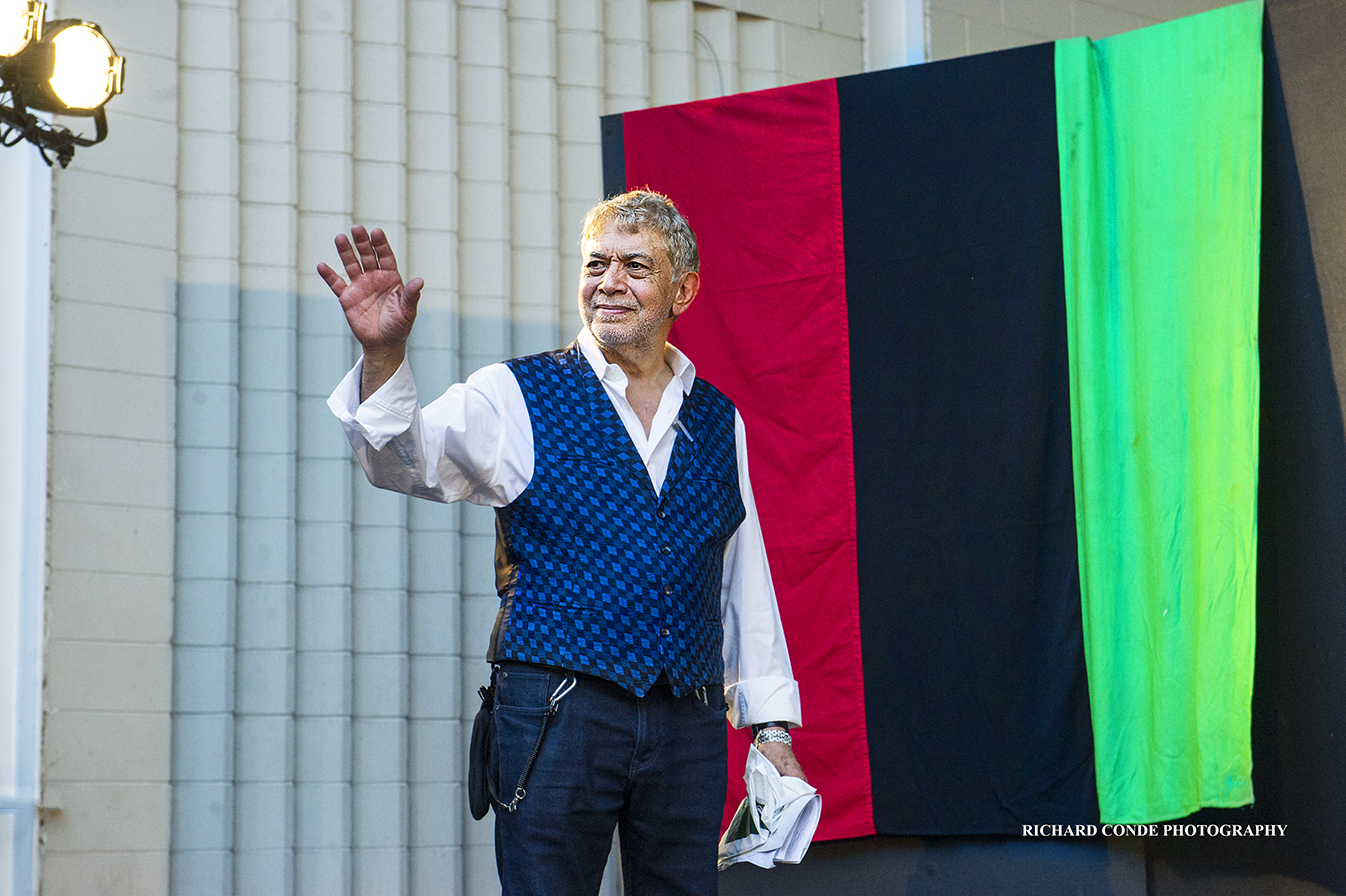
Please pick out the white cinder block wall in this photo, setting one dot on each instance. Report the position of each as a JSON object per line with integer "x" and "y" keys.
{"x": 109, "y": 606}
{"x": 260, "y": 670}
{"x": 258, "y": 667}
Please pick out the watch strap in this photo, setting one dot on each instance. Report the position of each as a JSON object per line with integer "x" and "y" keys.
{"x": 773, "y": 736}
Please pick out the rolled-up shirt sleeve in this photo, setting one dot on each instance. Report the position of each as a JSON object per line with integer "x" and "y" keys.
{"x": 473, "y": 443}
{"x": 759, "y": 683}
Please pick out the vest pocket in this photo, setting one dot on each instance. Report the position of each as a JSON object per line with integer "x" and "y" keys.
{"x": 588, "y": 603}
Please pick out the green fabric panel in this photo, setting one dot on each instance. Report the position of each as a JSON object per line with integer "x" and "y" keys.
{"x": 1160, "y": 146}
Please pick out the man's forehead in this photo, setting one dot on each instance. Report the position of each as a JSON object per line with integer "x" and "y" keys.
{"x": 614, "y": 241}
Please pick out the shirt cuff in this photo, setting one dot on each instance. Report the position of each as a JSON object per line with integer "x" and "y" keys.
{"x": 382, "y": 416}
{"x": 767, "y": 699}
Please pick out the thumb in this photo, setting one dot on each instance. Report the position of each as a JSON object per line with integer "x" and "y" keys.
{"x": 411, "y": 293}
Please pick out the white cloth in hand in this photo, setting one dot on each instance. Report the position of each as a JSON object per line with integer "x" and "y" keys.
{"x": 775, "y": 822}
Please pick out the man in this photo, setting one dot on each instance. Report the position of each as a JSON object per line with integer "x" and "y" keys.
{"x": 635, "y": 593}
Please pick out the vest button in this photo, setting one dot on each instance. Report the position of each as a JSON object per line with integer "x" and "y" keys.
{"x": 662, "y": 513}
{"x": 667, "y": 549}
{"x": 668, "y": 589}
{"x": 664, "y": 632}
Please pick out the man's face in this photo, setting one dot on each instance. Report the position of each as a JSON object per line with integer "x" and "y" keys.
{"x": 627, "y": 294}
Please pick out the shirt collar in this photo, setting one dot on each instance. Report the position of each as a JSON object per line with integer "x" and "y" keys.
{"x": 683, "y": 368}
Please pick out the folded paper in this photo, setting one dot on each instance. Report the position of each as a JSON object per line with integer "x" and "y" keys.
{"x": 775, "y": 822}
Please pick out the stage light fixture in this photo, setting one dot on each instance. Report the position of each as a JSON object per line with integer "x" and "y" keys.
{"x": 71, "y": 69}
{"x": 65, "y": 66}
{"x": 20, "y": 24}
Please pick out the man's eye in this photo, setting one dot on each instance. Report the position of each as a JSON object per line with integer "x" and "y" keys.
{"x": 636, "y": 269}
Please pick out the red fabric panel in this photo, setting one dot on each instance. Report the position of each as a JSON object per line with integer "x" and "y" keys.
{"x": 759, "y": 177}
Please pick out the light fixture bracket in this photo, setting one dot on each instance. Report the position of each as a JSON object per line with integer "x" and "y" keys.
{"x": 18, "y": 124}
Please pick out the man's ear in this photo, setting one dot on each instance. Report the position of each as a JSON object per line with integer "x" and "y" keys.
{"x": 687, "y": 289}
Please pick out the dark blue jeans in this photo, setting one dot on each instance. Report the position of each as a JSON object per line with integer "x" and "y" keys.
{"x": 653, "y": 767}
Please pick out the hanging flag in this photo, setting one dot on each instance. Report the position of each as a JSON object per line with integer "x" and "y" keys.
{"x": 1161, "y": 133}
{"x": 883, "y": 298}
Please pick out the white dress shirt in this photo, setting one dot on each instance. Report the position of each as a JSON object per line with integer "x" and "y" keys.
{"x": 475, "y": 443}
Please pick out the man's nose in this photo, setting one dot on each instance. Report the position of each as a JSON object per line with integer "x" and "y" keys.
{"x": 613, "y": 278}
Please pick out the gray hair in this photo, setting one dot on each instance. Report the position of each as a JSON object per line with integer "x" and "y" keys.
{"x": 646, "y": 210}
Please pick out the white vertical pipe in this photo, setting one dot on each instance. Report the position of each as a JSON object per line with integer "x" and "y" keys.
{"x": 25, "y": 227}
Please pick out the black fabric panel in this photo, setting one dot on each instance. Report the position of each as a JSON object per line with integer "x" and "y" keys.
{"x": 1299, "y": 712}
{"x": 975, "y": 691}
{"x": 614, "y": 155}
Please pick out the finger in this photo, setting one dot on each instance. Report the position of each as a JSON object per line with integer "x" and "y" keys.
{"x": 411, "y": 293}
{"x": 383, "y": 251}
{"x": 369, "y": 261}
{"x": 349, "y": 260}
{"x": 329, "y": 276}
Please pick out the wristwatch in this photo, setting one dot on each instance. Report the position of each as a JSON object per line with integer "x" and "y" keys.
{"x": 772, "y": 733}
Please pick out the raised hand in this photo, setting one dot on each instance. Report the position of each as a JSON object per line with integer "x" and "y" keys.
{"x": 379, "y": 307}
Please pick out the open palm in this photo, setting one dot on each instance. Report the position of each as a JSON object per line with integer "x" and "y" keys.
{"x": 379, "y": 307}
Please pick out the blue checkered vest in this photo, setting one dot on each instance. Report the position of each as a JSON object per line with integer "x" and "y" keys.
{"x": 597, "y": 573}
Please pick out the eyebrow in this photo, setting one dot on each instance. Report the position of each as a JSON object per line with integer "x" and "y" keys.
{"x": 627, "y": 256}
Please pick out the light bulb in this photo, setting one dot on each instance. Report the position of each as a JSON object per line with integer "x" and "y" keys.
{"x": 19, "y": 20}
{"x": 83, "y": 72}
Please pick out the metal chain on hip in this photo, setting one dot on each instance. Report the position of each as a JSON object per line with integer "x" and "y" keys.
{"x": 565, "y": 687}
